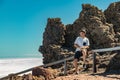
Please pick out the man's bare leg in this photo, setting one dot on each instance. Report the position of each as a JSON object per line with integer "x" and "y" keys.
{"x": 75, "y": 64}
{"x": 84, "y": 51}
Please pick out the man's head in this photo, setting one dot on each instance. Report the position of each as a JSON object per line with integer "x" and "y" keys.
{"x": 82, "y": 33}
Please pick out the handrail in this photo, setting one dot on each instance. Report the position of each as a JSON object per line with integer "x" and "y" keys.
{"x": 101, "y": 50}
{"x": 45, "y": 65}
{"x": 107, "y": 49}
{"x": 66, "y": 59}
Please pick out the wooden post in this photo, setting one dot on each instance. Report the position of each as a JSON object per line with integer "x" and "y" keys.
{"x": 94, "y": 63}
{"x": 65, "y": 67}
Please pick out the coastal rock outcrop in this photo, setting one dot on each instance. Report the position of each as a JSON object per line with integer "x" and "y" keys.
{"x": 58, "y": 39}
{"x": 53, "y": 39}
{"x": 112, "y": 14}
{"x": 100, "y": 33}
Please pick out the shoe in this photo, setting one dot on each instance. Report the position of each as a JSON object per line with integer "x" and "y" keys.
{"x": 76, "y": 73}
{"x": 85, "y": 67}
{"x": 84, "y": 70}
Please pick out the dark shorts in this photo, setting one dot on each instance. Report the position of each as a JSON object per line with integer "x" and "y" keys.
{"x": 77, "y": 55}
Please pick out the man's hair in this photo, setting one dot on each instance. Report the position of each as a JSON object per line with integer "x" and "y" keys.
{"x": 83, "y": 30}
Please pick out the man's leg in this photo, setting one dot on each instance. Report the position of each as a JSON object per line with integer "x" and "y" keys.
{"x": 75, "y": 63}
{"x": 77, "y": 55}
{"x": 85, "y": 66}
{"x": 84, "y": 52}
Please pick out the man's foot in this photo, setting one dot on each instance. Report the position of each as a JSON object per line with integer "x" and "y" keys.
{"x": 76, "y": 73}
{"x": 85, "y": 67}
{"x": 84, "y": 70}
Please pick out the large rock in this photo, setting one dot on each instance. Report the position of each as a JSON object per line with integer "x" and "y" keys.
{"x": 114, "y": 64}
{"x": 53, "y": 39}
{"x": 112, "y": 14}
{"x": 54, "y": 32}
{"x": 100, "y": 33}
{"x": 58, "y": 39}
{"x": 47, "y": 74}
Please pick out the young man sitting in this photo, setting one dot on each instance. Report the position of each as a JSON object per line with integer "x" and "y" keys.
{"x": 81, "y": 44}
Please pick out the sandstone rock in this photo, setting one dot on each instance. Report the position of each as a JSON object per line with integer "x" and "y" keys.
{"x": 112, "y": 14}
{"x": 114, "y": 64}
{"x": 38, "y": 78}
{"x": 48, "y": 74}
{"x": 27, "y": 77}
{"x": 53, "y": 39}
{"x": 100, "y": 33}
{"x": 58, "y": 39}
{"x": 54, "y": 32}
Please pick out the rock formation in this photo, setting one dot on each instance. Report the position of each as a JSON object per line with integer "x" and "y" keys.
{"x": 112, "y": 14}
{"x": 102, "y": 31}
{"x": 53, "y": 39}
{"x": 47, "y": 74}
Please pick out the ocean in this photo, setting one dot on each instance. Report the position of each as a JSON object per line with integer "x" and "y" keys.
{"x": 13, "y": 65}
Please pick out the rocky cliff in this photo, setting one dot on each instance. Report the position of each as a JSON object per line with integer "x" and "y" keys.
{"x": 112, "y": 14}
{"x": 102, "y": 30}
{"x": 100, "y": 33}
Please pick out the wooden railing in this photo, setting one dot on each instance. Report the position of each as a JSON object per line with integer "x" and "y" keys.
{"x": 45, "y": 65}
{"x": 67, "y": 59}
{"x": 101, "y": 50}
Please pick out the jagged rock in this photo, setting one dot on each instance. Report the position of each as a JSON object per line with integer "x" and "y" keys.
{"x": 117, "y": 36}
{"x": 27, "y": 77}
{"x": 58, "y": 39}
{"x": 53, "y": 39}
{"x": 114, "y": 64}
{"x": 112, "y": 14}
{"x": 54, "y": 32}
{"x": 100, "y": 33}
{"x": 23, "y": 77}
{"x": 48, "y": 74}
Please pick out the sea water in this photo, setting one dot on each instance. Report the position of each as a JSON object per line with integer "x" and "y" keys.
{"x": 13, "y": 65}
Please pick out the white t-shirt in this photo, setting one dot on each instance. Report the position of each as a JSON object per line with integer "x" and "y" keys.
{"x": 81, "y": 42}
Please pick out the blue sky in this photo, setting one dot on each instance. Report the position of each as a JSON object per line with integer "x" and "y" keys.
{"x": 22, "y": 22}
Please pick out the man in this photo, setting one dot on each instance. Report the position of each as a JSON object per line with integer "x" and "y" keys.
{"x": 81, "y": 44}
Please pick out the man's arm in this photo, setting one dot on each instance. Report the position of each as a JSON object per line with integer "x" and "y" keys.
{"x": 85, "y": 47}
{"x": 76, "y": 46}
